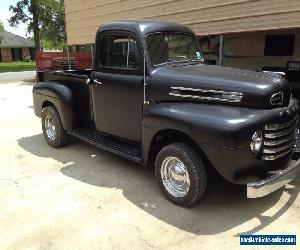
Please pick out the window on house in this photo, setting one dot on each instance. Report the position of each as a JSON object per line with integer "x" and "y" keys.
{"x": 279, "y": 45}
{"x": 120, "y": 51}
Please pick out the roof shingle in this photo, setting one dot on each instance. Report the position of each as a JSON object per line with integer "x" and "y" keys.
{"x": 10, "y": 40}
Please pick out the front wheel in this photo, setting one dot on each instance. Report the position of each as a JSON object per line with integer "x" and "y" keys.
{"x": 53, "y": 130}
{"x": 181, "y": 174}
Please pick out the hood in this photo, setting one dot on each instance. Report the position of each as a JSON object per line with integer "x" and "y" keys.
{"x": 209, "y": 83}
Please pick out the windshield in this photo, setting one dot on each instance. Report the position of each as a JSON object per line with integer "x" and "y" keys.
{"x": 172, "y": 47}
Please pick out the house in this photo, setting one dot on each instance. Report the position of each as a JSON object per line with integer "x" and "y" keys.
{"x": 247, "y": 34}
{"x": 15, "y": 48}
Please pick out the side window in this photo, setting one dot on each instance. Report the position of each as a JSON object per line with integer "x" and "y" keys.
{"x": 120, "y": 51}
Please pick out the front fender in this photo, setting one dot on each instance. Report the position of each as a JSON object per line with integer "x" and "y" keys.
{"x": 219, "y": 125}
{"x": 222, "y": 132}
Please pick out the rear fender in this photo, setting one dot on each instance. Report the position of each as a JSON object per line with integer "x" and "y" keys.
{"x": 58, "y": 95}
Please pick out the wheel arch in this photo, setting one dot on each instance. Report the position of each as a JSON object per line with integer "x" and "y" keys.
{"x": 166, "y": 137}
{"x": 58, "y": 95}
{"x": 47, "y": 103}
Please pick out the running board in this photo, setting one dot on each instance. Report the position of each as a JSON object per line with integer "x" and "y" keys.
{"x": 106, "y": 142}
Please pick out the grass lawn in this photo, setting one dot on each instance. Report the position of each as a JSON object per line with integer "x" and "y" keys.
{"x": 16, "y": 66}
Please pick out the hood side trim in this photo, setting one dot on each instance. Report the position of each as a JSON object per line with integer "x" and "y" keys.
{"x": 206, "y": 94}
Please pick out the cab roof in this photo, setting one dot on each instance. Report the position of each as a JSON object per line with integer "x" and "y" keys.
{"x": 144, "y": 27}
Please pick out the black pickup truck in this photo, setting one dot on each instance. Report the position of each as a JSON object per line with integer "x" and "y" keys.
{"x": 151, "y": 98}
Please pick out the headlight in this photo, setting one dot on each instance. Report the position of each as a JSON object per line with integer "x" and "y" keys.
{"x": 256, "y": 142}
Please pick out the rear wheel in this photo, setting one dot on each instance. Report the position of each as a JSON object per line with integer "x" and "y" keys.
{"x": 181, "y": 174}
{"x": 53, "y": 130}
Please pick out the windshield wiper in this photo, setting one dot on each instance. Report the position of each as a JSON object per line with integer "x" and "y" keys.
{"x": 180, "y": 61}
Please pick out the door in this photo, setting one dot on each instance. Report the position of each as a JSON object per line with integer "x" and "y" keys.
{"x": 117, "y": 86}
{"x": 16, "y": 56}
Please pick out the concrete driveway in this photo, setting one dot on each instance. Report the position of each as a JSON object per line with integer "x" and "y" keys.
{"x": 81, "y": 197}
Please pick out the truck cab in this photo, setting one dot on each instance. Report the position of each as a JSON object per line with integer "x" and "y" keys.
{"x": 151, "y": 98}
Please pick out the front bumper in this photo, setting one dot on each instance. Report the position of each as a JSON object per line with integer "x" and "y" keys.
{"x": 276, "y": 179}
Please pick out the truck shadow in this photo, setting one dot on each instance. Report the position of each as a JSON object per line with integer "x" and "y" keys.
{"x": 223, "y": 208}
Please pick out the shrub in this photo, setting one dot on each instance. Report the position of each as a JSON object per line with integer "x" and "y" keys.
{"x": 27, "y": 59}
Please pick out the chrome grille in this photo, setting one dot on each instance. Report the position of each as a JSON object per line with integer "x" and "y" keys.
{"x": 279, "y": 140}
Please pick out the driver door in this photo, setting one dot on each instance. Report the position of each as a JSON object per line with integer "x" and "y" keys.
{"x": 117, "y": 88}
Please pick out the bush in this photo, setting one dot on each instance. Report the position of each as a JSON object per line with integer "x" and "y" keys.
{"x": 27, "y": 59}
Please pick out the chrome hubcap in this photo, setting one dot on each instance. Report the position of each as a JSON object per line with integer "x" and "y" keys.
{"x": 50, "y": 128}
{"x": 175, "y": 177}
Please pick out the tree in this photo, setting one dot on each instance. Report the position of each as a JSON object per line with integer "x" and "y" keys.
{"x": 1, "y": 29}
{"x": 53, "y": 20}
{"x": 45, "y": 18}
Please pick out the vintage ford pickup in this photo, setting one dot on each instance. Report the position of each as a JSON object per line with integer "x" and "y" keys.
{"x": 151, "y": 98}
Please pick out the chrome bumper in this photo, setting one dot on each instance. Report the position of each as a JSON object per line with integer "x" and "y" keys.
{"x": 277, "y": 179}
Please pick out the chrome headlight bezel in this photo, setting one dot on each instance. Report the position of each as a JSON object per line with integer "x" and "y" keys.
{"x": 256, "y": 144}
{"x": 297, "y": 140}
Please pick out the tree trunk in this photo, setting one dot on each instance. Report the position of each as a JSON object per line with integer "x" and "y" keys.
{"x": 35, "y": 21}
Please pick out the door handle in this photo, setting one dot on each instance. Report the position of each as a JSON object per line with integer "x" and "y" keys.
{"x": 97, "y": 82}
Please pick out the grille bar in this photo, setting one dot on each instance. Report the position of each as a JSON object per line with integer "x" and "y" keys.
{"x": 281, "y": 125}
{"x": 280, "y": 133}
{"x": 277, "y": 156}
{"x": 276, "y": 142}
{"x": 278, "y": 149}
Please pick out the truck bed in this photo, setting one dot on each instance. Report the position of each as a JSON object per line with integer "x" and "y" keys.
{"x": 76, "y": 81}
{"x": 43, "y": 76}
